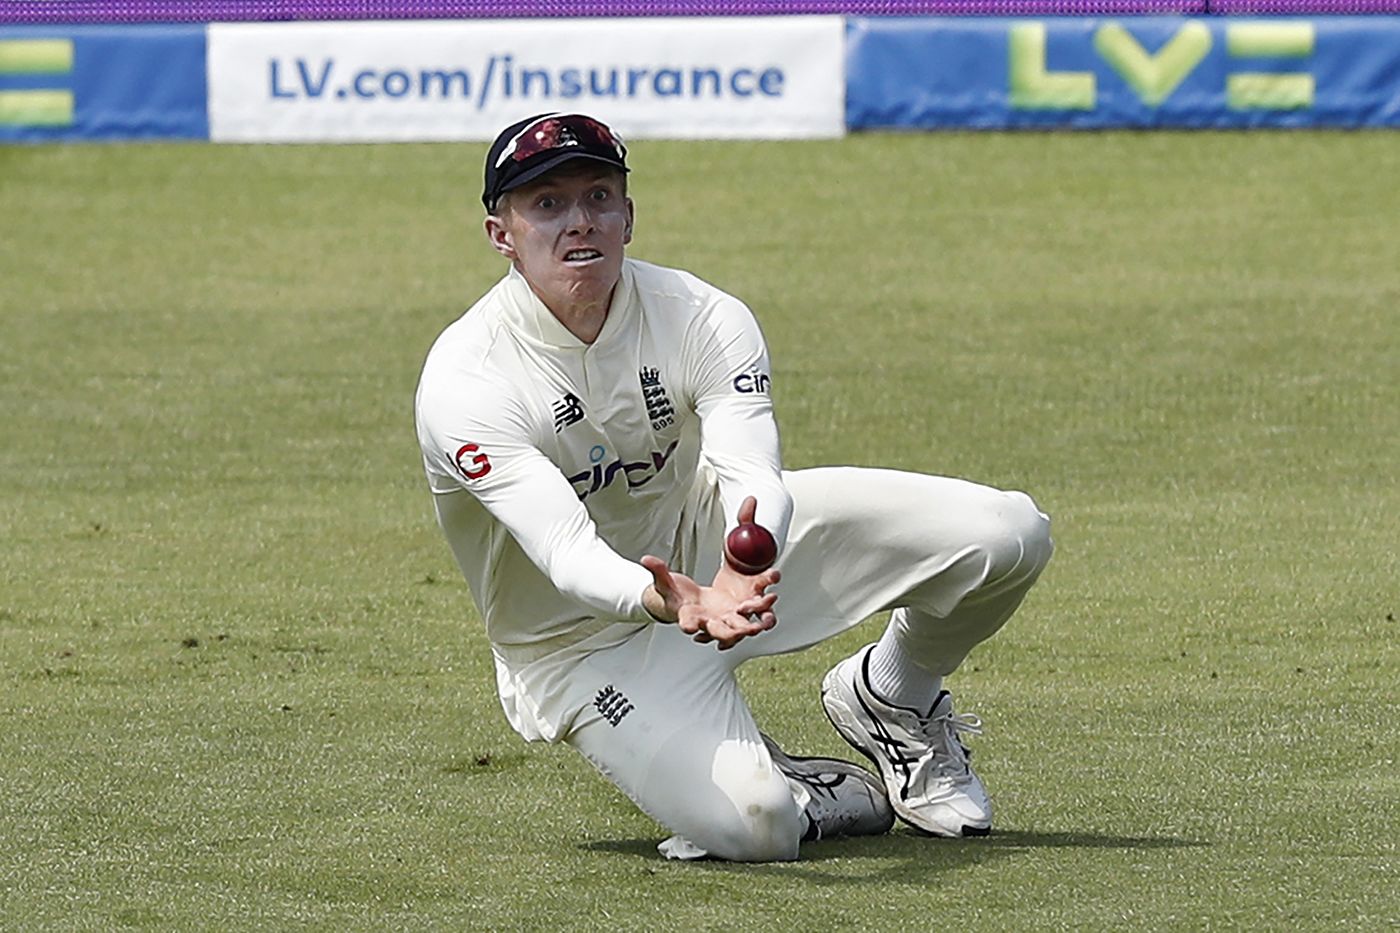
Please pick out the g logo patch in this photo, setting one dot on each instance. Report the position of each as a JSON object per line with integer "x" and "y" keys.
{"x": 474, "y": 468}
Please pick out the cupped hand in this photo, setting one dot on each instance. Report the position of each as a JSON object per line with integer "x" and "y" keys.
{"x": 735, "y": 607}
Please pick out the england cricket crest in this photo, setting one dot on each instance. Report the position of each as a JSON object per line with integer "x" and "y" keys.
{"x": 611, "y": 702}
{"x": 659, "y": 408}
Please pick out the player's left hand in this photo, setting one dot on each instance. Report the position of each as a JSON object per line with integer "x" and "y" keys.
{"x": 725, "y": 613}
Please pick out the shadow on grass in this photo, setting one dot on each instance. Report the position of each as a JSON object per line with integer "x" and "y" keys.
{"x": 918, "y": 856}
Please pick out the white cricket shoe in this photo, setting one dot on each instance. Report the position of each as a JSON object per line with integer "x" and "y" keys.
{"x": 839, "y": 798}
{"x": 931, "y": 785}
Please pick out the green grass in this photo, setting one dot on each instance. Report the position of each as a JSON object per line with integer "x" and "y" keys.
{"x": 242, "y": 685}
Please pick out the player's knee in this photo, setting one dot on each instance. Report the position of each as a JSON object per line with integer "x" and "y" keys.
{"x": 1036, "y": 544}
{"x": 766, "y": 830}
{"x": 758, "y": 821}
{"x": 1021, "y": 545}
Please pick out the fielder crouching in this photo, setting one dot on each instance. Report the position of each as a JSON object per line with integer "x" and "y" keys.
{"x": 591, "y": 429}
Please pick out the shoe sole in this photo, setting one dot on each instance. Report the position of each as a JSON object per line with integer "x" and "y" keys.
{"x": 851, "y": 732}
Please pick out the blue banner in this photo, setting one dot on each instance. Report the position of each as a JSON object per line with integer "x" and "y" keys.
{"x": 1135, "y": 72}
{"x": 103, "y": 82}
{"x": 133, "y": 82}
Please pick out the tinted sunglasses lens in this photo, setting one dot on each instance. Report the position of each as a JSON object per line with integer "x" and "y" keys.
{"x": 560, "y": 132}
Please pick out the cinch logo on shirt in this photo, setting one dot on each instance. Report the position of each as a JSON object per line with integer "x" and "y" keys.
{"x": 638, "y": 472}
{"x": 753, "y": 381}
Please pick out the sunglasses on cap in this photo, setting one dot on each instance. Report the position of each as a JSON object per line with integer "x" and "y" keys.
{"x": 561, "y": 131}
{"x": 537, "y": 145}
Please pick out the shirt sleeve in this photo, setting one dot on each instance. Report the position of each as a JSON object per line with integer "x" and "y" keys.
{"x": 490, "y": 455}
{"x": 727, "y": 360}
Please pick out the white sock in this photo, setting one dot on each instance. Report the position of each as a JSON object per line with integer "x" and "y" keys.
{"x": 896, "y": 678}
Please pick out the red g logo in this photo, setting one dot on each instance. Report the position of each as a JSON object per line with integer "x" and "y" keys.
{"x": 475, "y": 468}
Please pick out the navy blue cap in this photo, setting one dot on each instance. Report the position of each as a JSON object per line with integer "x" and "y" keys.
{"x": 528, "y": 149}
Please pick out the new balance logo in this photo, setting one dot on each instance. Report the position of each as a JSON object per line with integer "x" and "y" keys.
{"x": 612, "y": 704}
{"x": 568, "y": 410}
{"x": 659, "y": 408}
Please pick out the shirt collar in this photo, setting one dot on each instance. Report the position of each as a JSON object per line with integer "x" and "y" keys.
{"x": 530, "y": 317}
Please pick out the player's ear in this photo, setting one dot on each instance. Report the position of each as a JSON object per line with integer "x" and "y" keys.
{"x": 502, "y": 240}
{"x": 631, "y": 217}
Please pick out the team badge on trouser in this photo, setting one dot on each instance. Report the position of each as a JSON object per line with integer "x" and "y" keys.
{"x": 612, "y": 704}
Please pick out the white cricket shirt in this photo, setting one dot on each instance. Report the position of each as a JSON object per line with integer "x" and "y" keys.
{"x": 557, "y": 464}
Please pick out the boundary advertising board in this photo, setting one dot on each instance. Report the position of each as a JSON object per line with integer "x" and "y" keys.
{"x": 765, "y": 77}
{"x": 781, "y": 77}
{"x": 1187, "y": 72}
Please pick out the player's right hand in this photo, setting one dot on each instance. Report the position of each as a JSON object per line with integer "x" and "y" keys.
{"x": 708, "y": 613}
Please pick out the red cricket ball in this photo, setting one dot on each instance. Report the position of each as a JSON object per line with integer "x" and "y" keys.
{"x": 750, "y": 548}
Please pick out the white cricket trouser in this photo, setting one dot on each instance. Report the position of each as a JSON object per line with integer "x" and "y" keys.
{"x": 667, "y": 723}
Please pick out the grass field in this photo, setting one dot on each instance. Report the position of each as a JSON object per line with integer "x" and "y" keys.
{"x": 242, "y": 685}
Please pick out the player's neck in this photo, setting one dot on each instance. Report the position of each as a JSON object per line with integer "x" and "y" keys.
{"x": 584, "y": 318}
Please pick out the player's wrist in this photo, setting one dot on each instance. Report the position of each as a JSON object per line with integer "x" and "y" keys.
{"x": 655, "y": 605}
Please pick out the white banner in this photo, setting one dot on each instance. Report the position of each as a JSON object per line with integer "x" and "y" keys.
{"x": 687, "y": 78}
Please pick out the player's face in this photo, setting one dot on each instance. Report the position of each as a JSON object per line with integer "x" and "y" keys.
{"x": 566, "y": 232}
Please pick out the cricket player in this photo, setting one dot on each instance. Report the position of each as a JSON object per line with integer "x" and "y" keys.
{"x": 591, "y": 429}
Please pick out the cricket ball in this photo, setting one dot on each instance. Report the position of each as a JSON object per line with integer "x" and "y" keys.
{"x": 750, "y": 548}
